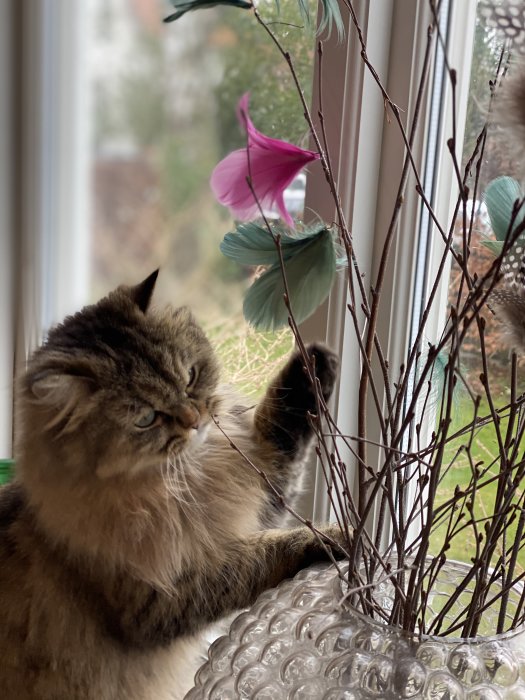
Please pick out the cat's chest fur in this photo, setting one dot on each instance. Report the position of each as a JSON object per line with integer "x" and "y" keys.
{"x": 151, "y": 534}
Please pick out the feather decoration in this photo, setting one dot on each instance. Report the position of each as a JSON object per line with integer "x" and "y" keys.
{"x": 310, "y": 258}
{"x": 269, "y": 164}
{"x": 183, "y": 6}
{"x": 508, "y": 17}
{"x": 305, "y": 12}
{"x": 330, "y": 15}
{"x": 438, "y": 377}
{"x": 500, "y": 197}
{"x": 252, "y": 244}
{"x": 508, "y": 300}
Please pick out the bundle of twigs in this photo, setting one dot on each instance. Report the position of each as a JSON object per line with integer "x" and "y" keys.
{"x": 417, "y": 445}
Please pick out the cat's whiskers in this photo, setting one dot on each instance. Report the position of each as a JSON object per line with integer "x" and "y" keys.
{"x": 190, "y": 469}
{"x": 172, "y": 481}
{"x": 177, "y": 483}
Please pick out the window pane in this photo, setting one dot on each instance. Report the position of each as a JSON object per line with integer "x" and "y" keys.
{"x": 164, "y": 114}
{"x": 497, "y": 160}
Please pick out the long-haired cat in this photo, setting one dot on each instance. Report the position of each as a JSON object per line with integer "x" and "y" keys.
{"x": 133, "y": 523}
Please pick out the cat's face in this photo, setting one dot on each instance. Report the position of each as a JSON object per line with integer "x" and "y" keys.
{"x": 130, "y": 386}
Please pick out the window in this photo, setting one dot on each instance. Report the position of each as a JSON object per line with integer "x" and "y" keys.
{"x": 489, "y": 49}
{"x": 122, "y": 120}
{"x": 369, "y": 157}
{"x": 153, "y": 111}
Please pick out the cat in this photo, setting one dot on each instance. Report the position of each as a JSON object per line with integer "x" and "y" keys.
{"x": 132, "y": 522}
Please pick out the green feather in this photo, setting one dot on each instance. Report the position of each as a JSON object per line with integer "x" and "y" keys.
{"x": 515, "y": 252}
{"x": 331, "y": 15}
{"x": 305, "y": 12}
{"x": 183, "y": 6}
{"x": 500, "y": 197}
{"x": 310, "y": 272}
{"x": 252, "y": 244}
{"x": 495, "y": 247}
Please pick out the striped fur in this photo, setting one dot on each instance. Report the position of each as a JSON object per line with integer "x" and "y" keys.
{"x": 120, "y": 543}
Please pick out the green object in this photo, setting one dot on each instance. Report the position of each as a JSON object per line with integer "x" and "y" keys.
{"x": 330, "y": 12}
{"x": 500, "y": 197}
{"x": 495, "y": 247}
{"x": 252, "y": 244}
{"x": 183, "y": 6}
{"x": 310, "y": 256}
{"x": 330, "y": 15}
{"x": 7, "y": 470}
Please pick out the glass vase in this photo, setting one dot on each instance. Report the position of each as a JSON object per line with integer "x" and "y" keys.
{"x": 299, "y": 643}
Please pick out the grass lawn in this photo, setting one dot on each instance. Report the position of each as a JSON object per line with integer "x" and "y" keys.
{"x": 249, "y": 358}
{"x": 485, "y": 450}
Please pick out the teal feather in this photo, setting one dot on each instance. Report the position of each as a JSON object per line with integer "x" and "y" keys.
{"x": 305, "y": 12}
{"x": 495, "y": 247}
{"x": 310, "y": 271}
{"x": 438, "y": 378}
{"x": 500, "y": 197}
{"x": 252, "y": 244}
{"x": 331, "y": 15}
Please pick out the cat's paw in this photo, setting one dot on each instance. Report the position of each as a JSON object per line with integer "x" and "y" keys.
{"x": 326, "y": 364}
{"x": 326, "y": 543}
{"x": 296, "y": 377}
{"x": 336, "y": 539}
{"x": 282, "y": 417}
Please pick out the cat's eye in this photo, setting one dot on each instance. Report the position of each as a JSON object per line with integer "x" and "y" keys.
{"x": 192, "y": 374}
{"x": 147, "y": 419}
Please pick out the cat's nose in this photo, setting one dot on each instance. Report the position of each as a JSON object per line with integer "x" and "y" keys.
{"x": 187, "y": 417}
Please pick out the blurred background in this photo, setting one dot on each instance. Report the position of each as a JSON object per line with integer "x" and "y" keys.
{"x": 120, "y": 120}
{"x": 162, "y": 104}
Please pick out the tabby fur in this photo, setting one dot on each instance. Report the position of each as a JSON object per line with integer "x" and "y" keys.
{"x": 120, "y": 541}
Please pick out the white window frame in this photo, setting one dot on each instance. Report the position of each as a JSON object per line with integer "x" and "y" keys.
{"x": 7, "y": 239}
{"x": 368, "y": 160}
{"x": 54, "y": 157}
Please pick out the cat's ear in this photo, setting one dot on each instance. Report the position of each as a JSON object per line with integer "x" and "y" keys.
{"x": 142, "y": 293}
{"x": 66, "y": 395}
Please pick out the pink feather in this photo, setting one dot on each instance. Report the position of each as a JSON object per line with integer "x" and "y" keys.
{"x": 270, "y": 163}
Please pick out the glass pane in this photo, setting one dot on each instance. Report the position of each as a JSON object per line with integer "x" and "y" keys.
{"x": 164, "y": 114}
{"x": 498, "y": 160}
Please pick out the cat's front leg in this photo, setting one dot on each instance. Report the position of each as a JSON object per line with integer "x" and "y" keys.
{"x": 232, "y": 579}
{"x": 283, "y": 424}
{"x": 282, "y": 416}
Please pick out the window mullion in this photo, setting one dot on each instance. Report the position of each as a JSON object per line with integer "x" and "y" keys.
{"x": 354, "y": 112}
{"x": 54, "y": 173}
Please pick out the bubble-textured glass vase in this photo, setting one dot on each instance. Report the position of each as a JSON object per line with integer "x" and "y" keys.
{"x": 297, "y": 643}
